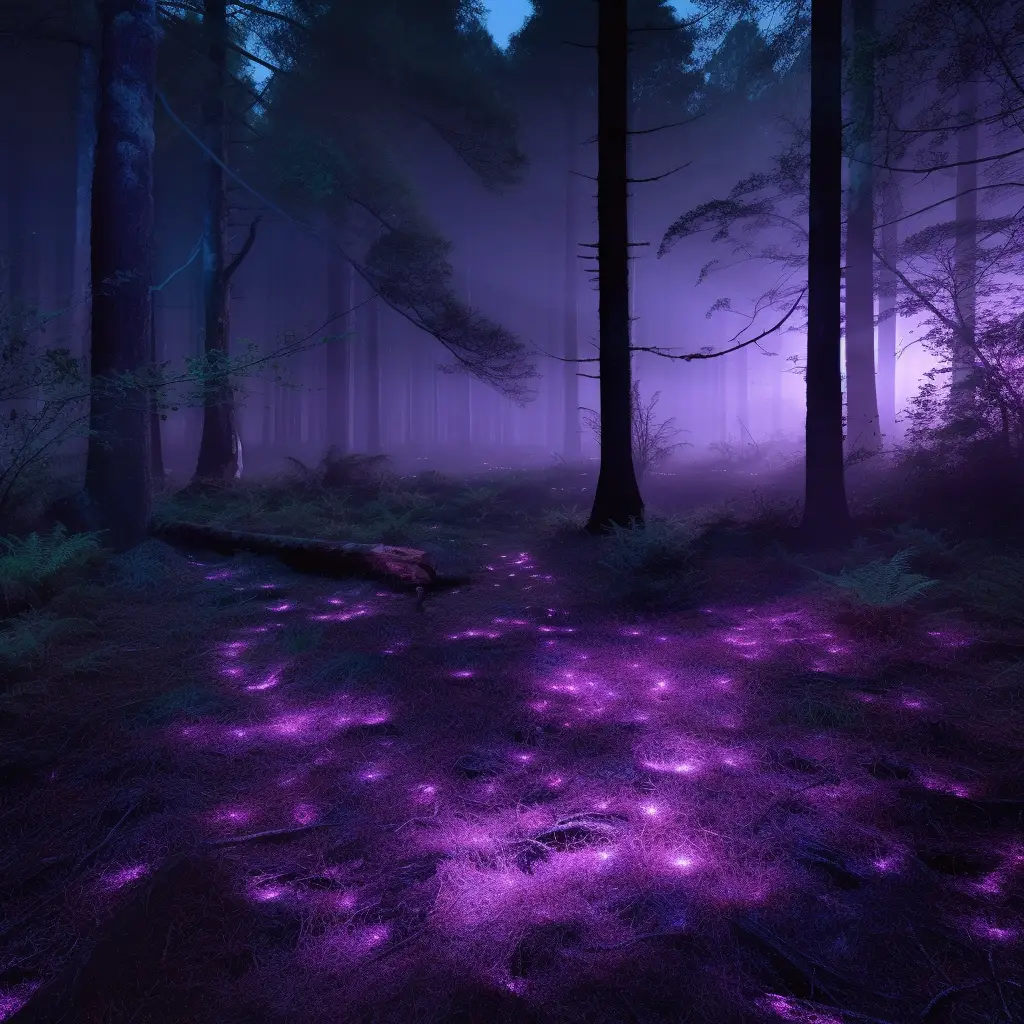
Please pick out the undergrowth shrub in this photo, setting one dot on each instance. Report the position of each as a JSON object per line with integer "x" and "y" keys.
{"x": 25, "y": 639}
{"x": 33, "y": 568}
{"x": 558, "y": 522}
{"x": 149, "y": 565}
{"x": 994, "y": 590}
{"x": 652, "y": 563}
{"x": 882, "y": 583}
{"x": 339, "y": 470}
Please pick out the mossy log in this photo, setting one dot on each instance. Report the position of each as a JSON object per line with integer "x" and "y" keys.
{"x": 404, "y": 567}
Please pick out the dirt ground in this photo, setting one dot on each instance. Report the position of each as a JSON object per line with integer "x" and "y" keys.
{"x": 264, "y": 797}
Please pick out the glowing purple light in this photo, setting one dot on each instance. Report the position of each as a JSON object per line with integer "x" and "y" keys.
{"x": 119, "y": 879}
{"x": 304, "y": 814}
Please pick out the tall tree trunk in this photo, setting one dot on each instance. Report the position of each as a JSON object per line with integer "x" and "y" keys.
{"x": 340, "y": 292}
{"x": 156, "y": 448}
{"x": 742, "y": 391}
{"x": 218, "y": 448}
{"x": 617, "y": 500}
{"x": 888, "y": 291}
{"x": 373, "y": 425}
{"x": 86, "y": 106}
{"x": 118, "y": 478}
{"x": 826, "y": 514}
{"x": 570, "y": 296}
{"x": 862, "y": 430}
{"x": 965, "y": 252}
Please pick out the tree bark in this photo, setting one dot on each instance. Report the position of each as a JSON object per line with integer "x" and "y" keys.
{"x": 617, "y": 500}
{"x": 965, "y": 251}
{"x": 86, "y": 107}
{"x": 340, "y": 298}
{"x": 118, "y": 478}
{"x": 570, "y": 297}
{"x": 861, "y": 398}
{"x": 373, "y": 431}
{"x": 156, "y": 448}
{"x": 826, "y": 515}
{"x": 218, "y": 447}
{"x": 888, "y": 292}
{"x": 406, "y": 566}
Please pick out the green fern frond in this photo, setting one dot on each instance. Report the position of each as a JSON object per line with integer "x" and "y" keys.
{"x": 882, "y": 584}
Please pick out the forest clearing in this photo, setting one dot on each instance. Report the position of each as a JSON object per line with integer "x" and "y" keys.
{"x": 697, "y": 776}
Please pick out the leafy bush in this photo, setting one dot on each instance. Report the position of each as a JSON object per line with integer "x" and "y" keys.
{"x": 150, "y": 565}
{"x": 653, "y": 562}
{"x": 881, "y": 584}
{"x": 994, "y": 590}
{"x": 25, "y": 638}
{"x": 559, "y": 522}
{"x": 339, "y": 470}
{"x": 34, "y": 567}
{"x": 42, "y": 392}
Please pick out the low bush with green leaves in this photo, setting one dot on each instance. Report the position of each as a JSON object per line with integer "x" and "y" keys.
{"x": 653, "y": 562}
{"x": 882, "y": 583}
{"x": 32, "y": 568}
{"x": 558, "y": 522}
{"x": 994, "y": 590}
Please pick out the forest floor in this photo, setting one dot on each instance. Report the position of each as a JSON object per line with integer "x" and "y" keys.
{"x": 233, "y": 793}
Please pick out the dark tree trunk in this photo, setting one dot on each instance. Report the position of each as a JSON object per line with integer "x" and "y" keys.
{"x": 118, "y": 468}
{"x": 86, "y": 105}
{"x": 218, "y": 448}
{"x": 340, "y": 298}
{"x": 888, "y": 290}
{"x": 861, "y": 398}
{"x": 570, "y": 297}
{"x": 373, "y": 433}
{"x": 826, "y": 514}
{"x": 965, "y": 267}
{"x": 156, "y": 448}
{"x": 617, "y": 500}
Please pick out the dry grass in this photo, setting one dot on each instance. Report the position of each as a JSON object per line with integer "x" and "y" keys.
{"x": 527, "y": 803}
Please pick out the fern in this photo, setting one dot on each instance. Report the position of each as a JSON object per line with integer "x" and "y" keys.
{"x": 35, "y": 565}
{"x": 882, "y": 584}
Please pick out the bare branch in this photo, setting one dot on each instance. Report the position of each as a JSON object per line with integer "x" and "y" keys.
{"x": 244, "y": 251}
{"x": 658, "y": 177}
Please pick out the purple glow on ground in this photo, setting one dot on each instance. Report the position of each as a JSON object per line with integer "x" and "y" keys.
{"x": 114, "y": 880}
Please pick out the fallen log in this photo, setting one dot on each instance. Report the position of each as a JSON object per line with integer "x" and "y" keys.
{"x": 405, "y": 567}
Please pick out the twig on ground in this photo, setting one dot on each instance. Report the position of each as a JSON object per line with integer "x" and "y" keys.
{"x": 948, "y": 993}
{"x": 999, "y": 987}
{"x": 274, "y": 833}
{"x": 426, "y": 817}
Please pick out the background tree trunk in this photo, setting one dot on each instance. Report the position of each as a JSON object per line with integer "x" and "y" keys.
{"x": 965, "y": 252}
{"x": 218, "y": 448}
{"x": 118, "y": 478}
{"x": 373, "y": 425}
{"x": 617, "y": 499}
{"x": 826, "y": 514}
{"x": 571, "y": 450}
{"x": 156, "y": 448}
{"x": 888, "y": 291}
{"x": 861, "y": 398}
{"x": 340, "y": 299}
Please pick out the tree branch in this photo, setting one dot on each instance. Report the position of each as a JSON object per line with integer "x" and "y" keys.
{"x": 244, "y": 251}
{"x": 658, "y": 177}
